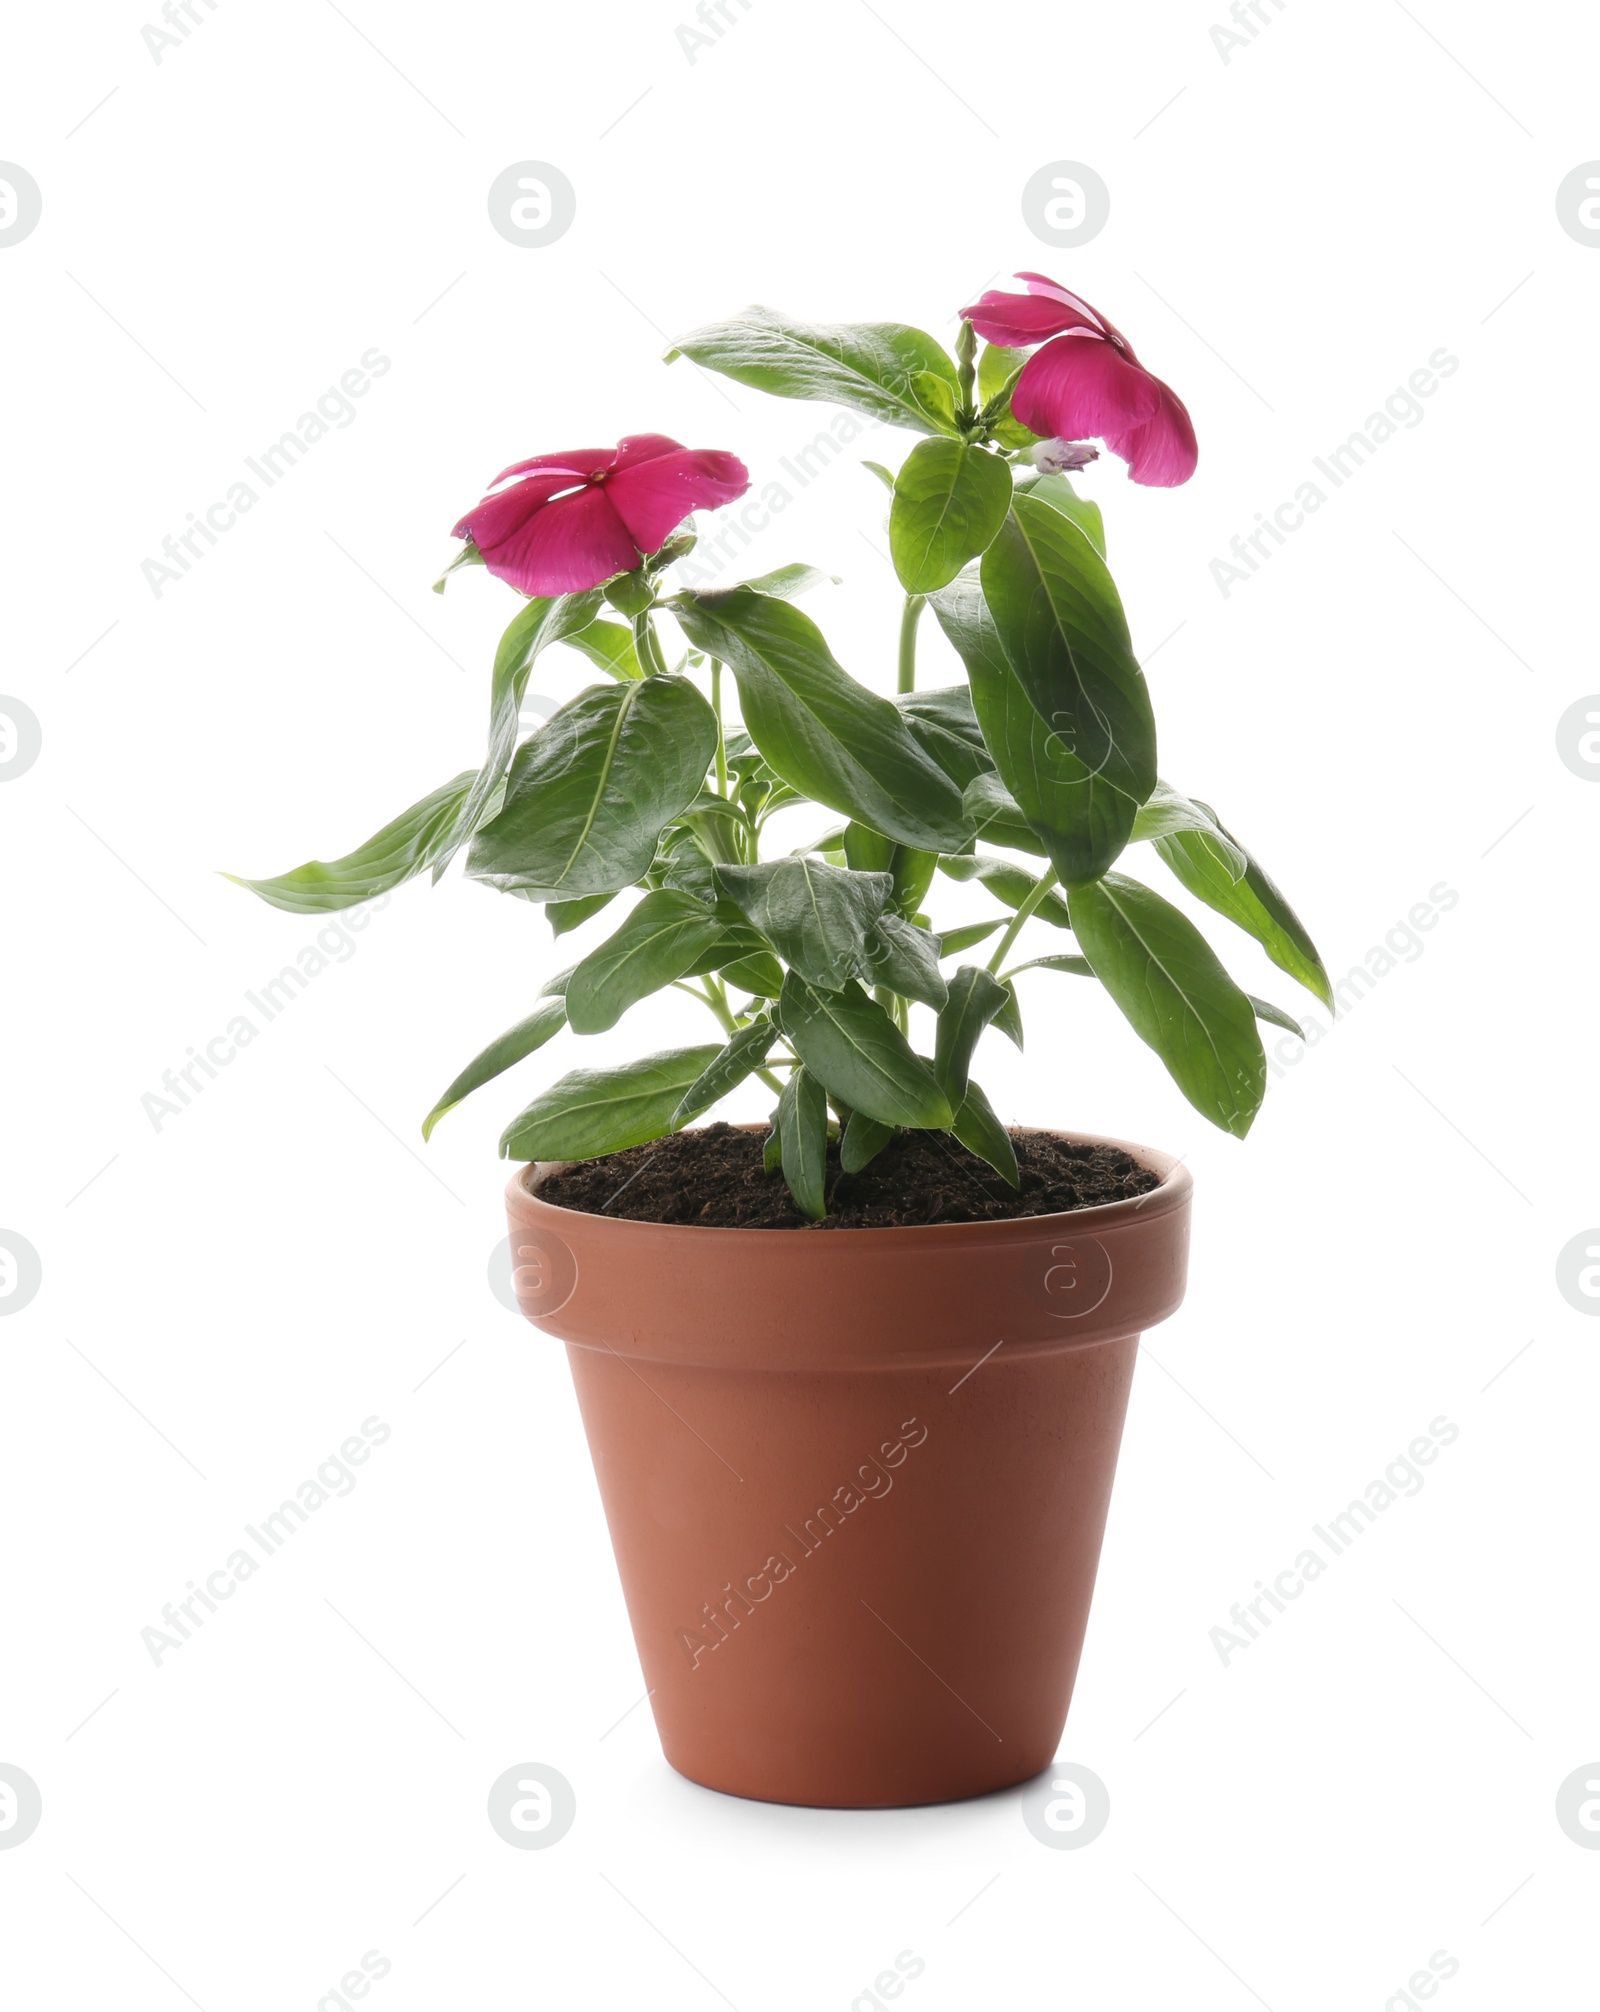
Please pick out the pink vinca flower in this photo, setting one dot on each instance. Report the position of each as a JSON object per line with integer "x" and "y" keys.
{"x": 1086, "y": 381}
{"x": 569, "y": 521}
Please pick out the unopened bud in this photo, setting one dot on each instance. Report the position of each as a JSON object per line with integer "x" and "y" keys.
{"x": 1061, "y": 457}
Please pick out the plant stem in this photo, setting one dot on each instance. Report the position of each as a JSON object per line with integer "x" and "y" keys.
{"x": 716, "y": 707}
{"x": 729, "y": 1025}
{"x": 898, "y": 1009}
{"x": 908, "y": 644}
{"x": 1036, "y": 894}
{"x": 717, "y": 1000}
{"x": 646, "y": 647}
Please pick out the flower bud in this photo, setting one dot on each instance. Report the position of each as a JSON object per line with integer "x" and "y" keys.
{"x": 1061, "y": 457}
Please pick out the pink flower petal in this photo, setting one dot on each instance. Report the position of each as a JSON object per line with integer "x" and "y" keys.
{"x": 563, "y": 547}
{"x": 653, "y": 494}
{"x": 1080, "y": 386}
{"x": 497, "y": 517}
{"x": 636, "y": 447}
{"x": 1163, "y": 451}
{"x": 1038, "y": 284}
{"x": 1019, "y": 320}
{"x": 577, "y": 462}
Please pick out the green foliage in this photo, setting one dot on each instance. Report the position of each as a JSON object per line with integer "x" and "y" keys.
{"x": 976, "y": 996}
{"x": 820, "y": 919}
{"x": 882, "y": 368}
{"x": 981, "y": 1132}
{"x": 1168, "y": 982}
{"x": 546, "y": 1020}
{"x": 404, "y": 848}
{"x": 664, "y": 938}
{"x": 594, "y": 1111}
{"x": 1076, "y": 814}
{"x": 1027, "y": 779}
{"x": 743, "y": 1054}
{"x": 1059, "y": 623}
{"x": 803, "y": 1141}
{"x": 848, "y": 1041}
{"x": 826, "y": 735}
{"x": 950, "y": 499}
{"x": 588, "y": 797}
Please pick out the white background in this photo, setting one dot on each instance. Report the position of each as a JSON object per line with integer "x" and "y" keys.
{"x": 1293, "y": 232}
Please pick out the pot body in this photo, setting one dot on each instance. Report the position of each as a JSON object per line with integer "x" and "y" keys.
{"x": 856, "y": 1480}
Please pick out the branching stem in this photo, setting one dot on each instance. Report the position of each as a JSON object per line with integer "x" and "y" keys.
{"x": 1026, "y": 908}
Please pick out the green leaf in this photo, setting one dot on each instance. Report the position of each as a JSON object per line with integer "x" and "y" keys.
{"x": 947, "y": 728}
{"x": 540, "y": 622}
{"x": 803, "y": 1142}
{"x": 1059, "y": 493}
{"x": 975, "y": 998}
{"x": 610, "y": 646}
{"x": 913, "y": 871}
{"x": 864, "y": 1139}
{"x": 1080, "y": 967}
{"x": 950, "y": 498}
{"x": 546, "y": 1020}
{"x": 469, "y": 555}
{"x": 719, "y": 826}
{"x": 819, "y": 918}
{"x": 681, "y": 862}
{"x": 663, "y": 938}
{"x": 981, "y": 1132}
{"x": 1275, "y": 1015}
{"x": 729, "y": 946}
{"x": 1081, "y": 819}
{"x": 905, "y": 957}
{"x": 784, "y": 582}
{"x": 997, "y": 815}
{"x": 772, "y": 1149}
{"x": 589, "y": 795}
{"x": 882, "y": 474}
{"x": 1169, "y": 811}
{"x": 894, "y": 373}
{"x": 936, "y": 395}
{"x": 866, "y": 850}
{"x": 1009, "y": 1017}
{"x": 1061, "y": 626}
{"x": 565, "y": 915}
{"x": 847, "y": 1040}
{"x": 760, "y": 974}
{"x": 998, "y": 370}
{"x": 394, "y": 854}
{"x": 742, "y": 1056}
{"x": 1175, "y": 994}
{"x": 1007, "y": 883}
{"x": 594, "y": 1111}
{"x": 1254, "y": 903}
{"x": 953, "y": 941}
{"x": 827, "y": 736}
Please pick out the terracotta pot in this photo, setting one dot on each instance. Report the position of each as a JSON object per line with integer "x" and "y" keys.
{"x": 856, "y": 1480}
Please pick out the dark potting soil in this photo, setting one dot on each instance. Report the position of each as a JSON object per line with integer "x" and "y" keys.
{"x": 713, "y": 1178}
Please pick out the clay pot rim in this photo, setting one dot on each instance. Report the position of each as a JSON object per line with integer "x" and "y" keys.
{"x": 1177, "y": 1183}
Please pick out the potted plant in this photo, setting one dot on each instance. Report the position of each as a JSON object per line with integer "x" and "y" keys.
{"x": 853, "y": 1381}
